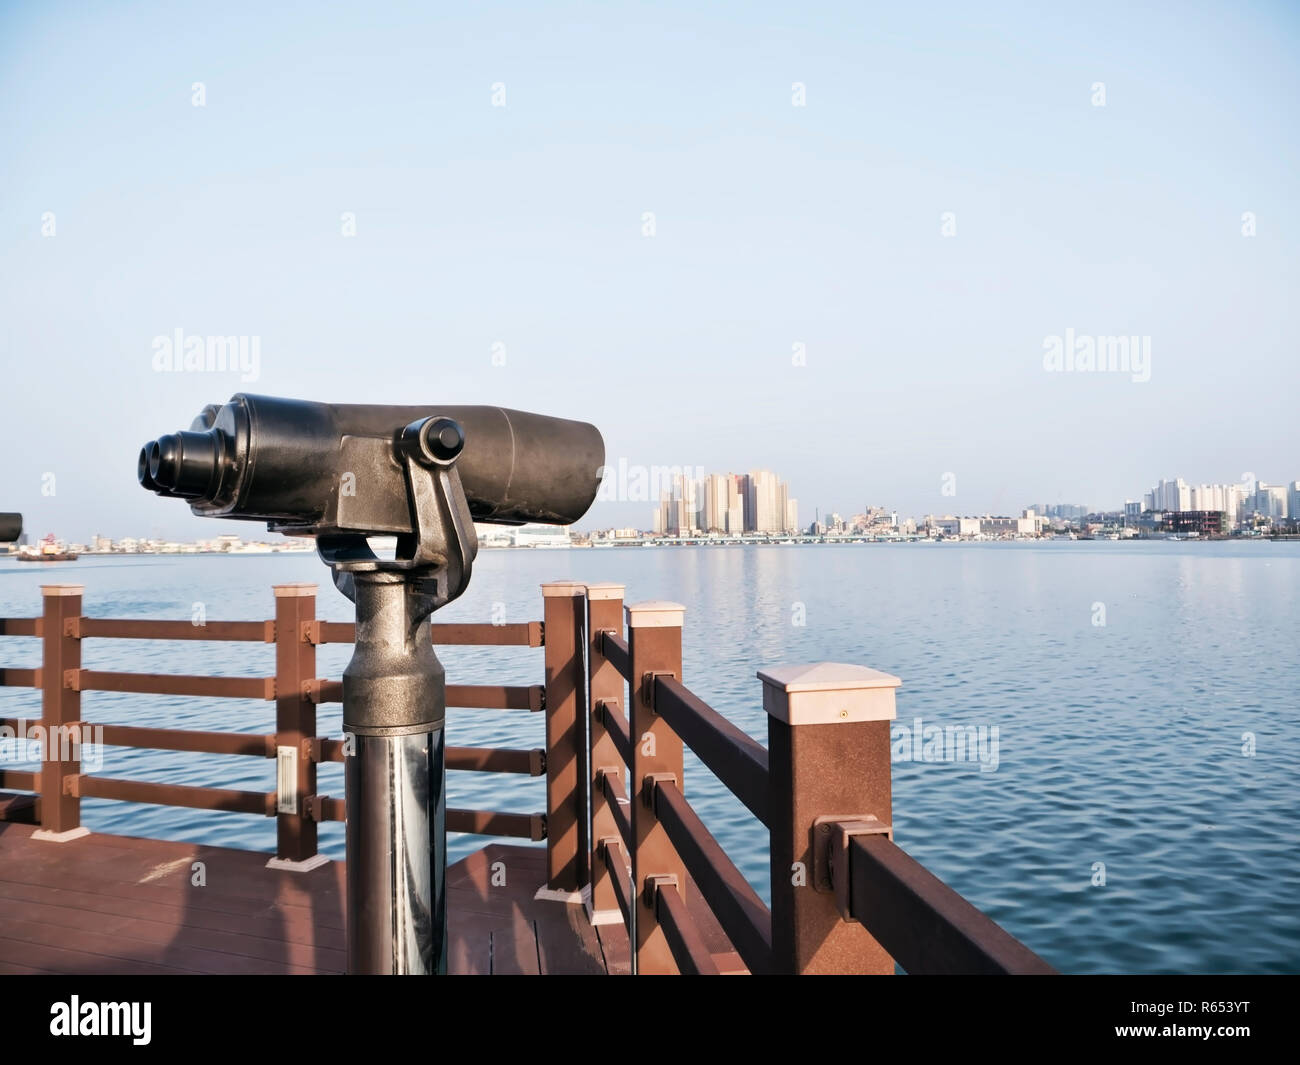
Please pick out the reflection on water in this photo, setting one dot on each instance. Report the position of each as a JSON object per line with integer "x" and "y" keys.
{"x": 1120, "y": 744}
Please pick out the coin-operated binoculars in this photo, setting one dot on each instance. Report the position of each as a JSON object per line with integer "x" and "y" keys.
{"x": 11, "y": 527}
{"x": 345, "y": 472}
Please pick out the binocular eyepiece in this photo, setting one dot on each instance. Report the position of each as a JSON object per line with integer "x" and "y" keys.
{"x": 11, "y": 527}
{"x": 185, "y": 464}
{"x": 314, "y": 468}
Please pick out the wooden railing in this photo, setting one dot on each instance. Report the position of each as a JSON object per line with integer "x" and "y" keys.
{"x": 845, "y": 897}
{"x": 57, "y": 789}
{"x": 622, "y": 840}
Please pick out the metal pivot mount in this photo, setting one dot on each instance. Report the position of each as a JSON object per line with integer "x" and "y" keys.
{"x": 394, "y": 705}
{"x": 436, "y": 558}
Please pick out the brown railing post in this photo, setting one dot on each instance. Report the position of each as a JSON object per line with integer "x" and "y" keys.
{"x": 828, "y": 756}
{"x": 563, "y": 614}
{"x": 654, "y": 638}
{"x": 295, "y": 724}
{"x": 60, "y": 707}
{"x": 604, "y": 611}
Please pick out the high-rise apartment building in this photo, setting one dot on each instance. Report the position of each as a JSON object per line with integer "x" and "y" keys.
{"x": 735, "y": 505}
{"x": 727, "y": 503}
{"x": 765, "y": 494}
{"x": 1270, "y": 500}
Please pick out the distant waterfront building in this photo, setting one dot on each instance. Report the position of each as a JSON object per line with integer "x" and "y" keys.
{"x": 954, "y": 526}
{"x": 1176, "y": 496}
{"x": 735, "y": 505}
{"x": 765, "y": 494}
{"x": 534, "y": 535}
{"x": 1064, "y": 511}
{"x": 1194, "y": 523}
{"x": 716, "y": 500}
{"x": 1171, "y": 495}
{"x": 723, "y": 508}
{"x": 530, "y": 535}
{"x": 769, "y": 508}
{"x": 1270, "y": 500}
{"x": 1022, "y": 526}
{"x": 1221, "y": 497}
{"x": 727, "y": 503}
{"x": 678, "y": 511}
{"x": 689, "y": 492}
{"x": 989, "y": 525}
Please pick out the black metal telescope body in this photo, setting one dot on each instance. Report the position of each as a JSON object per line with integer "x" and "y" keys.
{"x": 343, "y": 472}
{"x": 11, "y": 527}
{"x": 284, "y": 461}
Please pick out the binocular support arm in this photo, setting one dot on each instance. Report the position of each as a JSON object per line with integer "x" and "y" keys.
{"x": 437, "y": 558}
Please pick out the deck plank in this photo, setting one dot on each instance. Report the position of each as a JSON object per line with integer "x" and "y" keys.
{"x": 616, "y": 948}
{"x": 120, "y": 904}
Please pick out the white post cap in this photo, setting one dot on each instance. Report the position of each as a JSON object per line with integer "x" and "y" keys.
{"x": 605, "y": 591}
{"x": 654, "y": 614}
{"x": 563, "y": 589}
{"x": 825, "y": 693}
{"x": 297, "y": 589}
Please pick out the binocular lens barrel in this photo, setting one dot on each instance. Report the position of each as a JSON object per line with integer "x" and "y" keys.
{"x": 318, "y": 467}
{"x": 11, "y": 527}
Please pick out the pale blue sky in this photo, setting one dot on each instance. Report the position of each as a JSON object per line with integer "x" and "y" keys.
{"x": 775, "y": 224}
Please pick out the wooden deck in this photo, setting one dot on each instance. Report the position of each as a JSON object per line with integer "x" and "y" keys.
{"x": 120, "y": 904}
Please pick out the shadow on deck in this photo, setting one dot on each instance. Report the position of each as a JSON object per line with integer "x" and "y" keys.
{"x": 121, "y": 904}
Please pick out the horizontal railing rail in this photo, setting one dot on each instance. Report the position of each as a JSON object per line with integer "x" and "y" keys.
{"x": 735, "y": 758}
{"x": 612, "y": 787}
{"x": 18, "y": 780}
{"x": 680, "y": 929}
{"x": 614, "y": 648}
{"x": 131, "y": 629}
{"x": 515, "y": 634}
{"x": 617, "y": 727}
{"x": 919, "y": 919}
{"x": 253, "y": 744}
{"x": 85, "y": 680}
{"x": 85, "y": 786}
{"x": 613, "y": 856}
{"x": 745, "y": 919}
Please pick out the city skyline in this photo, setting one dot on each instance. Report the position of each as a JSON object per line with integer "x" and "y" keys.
{"x": 1255, "y": 496}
